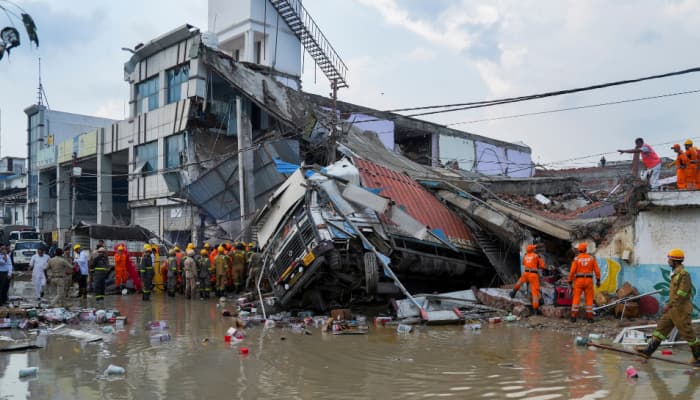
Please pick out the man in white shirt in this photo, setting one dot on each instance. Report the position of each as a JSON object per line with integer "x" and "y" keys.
{"x": 81, "y": 258}
{"x": 37, "y": 264}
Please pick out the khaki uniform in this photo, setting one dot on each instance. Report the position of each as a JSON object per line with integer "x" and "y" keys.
{"x": 221, "y": 265}
{"x": 190, "y": 272}
{"x": 238, "y": 261}
{"x": 680, "y": 310}
{"x": 60, "y": 273}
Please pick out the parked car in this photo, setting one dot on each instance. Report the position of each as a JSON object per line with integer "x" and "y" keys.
{"x": 23, "y": 252}
{"x": 24, "y": 234}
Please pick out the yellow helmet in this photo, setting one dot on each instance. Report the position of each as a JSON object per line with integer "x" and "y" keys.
{"x": 147, "y": 247}
{"x": 171, "y": 252}
{"x": 203, "y": 252}
{"x": 190, "y": 245}
{"x": 176, "y": 248}
{"x": 120, "y": 248}
{"x": 207, "y": 245}
{"x": 688, "y": 142}
{"x": 676, "y": 254}
{"x": 220, "y": 249}
{"x": 76, "y": 247}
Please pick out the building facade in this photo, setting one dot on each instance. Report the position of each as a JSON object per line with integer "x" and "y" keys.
{"x": 13, "y": 190}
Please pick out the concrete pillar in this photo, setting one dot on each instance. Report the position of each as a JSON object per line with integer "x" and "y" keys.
{"x": 104, "y": 189}
{"x": 245, "y": 169}
{"x": 435, "y": 150}
{"x": 43, "y": 198}
{"x": 249, "y": 46}
{"x": 63, "y": 200}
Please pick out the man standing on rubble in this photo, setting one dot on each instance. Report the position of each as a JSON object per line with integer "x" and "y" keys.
{"x": 532, "y": 264}
{"x": 81, "y": 258}
{"x": 146, "y": 272}
{"x": 221, "y": 265}
{"x": 5, "y": 275}
{"x": 691, "y": 153}
{"x": 678, "y": 311}
{"x": 99, "y": 266}
{"x": 651, "y": 161}
{"x": 190, "y": 273}
{"x": 59, "y": 272}
{"x": 581, "y": 275}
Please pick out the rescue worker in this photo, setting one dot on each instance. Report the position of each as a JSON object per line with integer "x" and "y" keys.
{"x": 81, "y": 258}
{"x": 678, "y": 310}
{"x": 203, "y": 275}
{"x": 691, "y": 152}
{"x": 5, "y": 275}
{"x": 651, "y": 161}
{"x": 254, "y": 267}
{"x": 171, "y": 266}
{"x": 583, "y": 269}
{"x": 98, "y": 268}
{"x": 59, "y": 271}
{"x": 682, "y": 169}
{"x": 238, "y": 261}
{"x": 190, "y": 272}
{"x": 221, "y": 266}
{"x": 532, "y": 264}
{"x": 120, "y": 274}
{"x": 179, "y": 282}
{"x": 37, "y": 264}
{"x": 146, "y": 272}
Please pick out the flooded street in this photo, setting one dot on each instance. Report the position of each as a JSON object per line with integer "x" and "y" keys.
{"x": 499, "y": 361}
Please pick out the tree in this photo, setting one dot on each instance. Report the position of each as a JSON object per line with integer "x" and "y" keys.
{"x": 9, "y": 35}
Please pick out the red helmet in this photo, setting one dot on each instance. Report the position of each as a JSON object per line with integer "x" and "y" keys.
{"x": 582, "y": 247}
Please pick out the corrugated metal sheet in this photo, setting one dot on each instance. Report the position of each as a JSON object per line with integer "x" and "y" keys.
{"x": 414, "y": 199}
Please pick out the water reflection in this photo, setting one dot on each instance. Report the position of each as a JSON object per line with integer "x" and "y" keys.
{"x": 501, "y": 361}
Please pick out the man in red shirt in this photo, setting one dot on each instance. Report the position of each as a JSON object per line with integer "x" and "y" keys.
{"x": 651, "y": 161}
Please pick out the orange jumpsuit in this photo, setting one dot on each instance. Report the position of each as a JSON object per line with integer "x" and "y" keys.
{"x": 682, "y": 171}
{"x": 532, "y": 263}
{"x": 120, "y": 274}
{"x": 583, "y": 268}
{"x": 691, "y": 172}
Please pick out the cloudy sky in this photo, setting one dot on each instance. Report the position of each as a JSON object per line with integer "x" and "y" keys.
{"x": 405, "y": 53}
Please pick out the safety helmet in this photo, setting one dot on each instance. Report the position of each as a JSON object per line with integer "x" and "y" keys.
{"x": 676, "y": 254}
{"x": 171, "y": 252}
{"x": 220, "y": 249}
{"x": 177, "y": 248}
{"x": 190, "y": 252}
{"x": 688, "y": 142}
{"x": 676, "y": 147}
{"x": 203, "y": 252}
{"x": 531, "y": 248}
{"x": 190, "y": 245}
{"x": 228, "y": 246}
{"x": 76, "y": 247}
{"x": 147, "y": 247}
{"x": 582, "y": 247}
{"x": 120, "y": 248}
{"x": 207, "y": 245}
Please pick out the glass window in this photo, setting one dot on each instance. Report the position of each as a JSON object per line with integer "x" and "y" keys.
{"x": 147, "y": 91}
{"x": 176, "y": 77}
{"x": 146, "y": 158}
{"x": 174, "y": 146}
{"x": 28, "y": 245}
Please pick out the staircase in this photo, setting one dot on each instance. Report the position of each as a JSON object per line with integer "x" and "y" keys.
{"x": 314, "y": 41}
{"x": 505, "y": 266}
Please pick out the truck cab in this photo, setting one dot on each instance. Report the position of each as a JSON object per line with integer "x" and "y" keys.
{"x": 22, "y": 235}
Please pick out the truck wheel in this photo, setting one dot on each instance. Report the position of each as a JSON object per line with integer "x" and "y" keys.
{"x": 371, "y": 272}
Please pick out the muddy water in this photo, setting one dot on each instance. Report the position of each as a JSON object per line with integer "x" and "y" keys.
{"x": 500, "y": 362}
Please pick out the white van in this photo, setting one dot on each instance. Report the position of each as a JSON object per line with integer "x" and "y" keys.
{"x": 22, "y": 235}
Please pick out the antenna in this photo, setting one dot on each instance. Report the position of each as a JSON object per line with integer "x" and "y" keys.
{"x": 40, "y": 93}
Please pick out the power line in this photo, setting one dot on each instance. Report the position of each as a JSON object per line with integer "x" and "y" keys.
{"x": 575, "y": 108}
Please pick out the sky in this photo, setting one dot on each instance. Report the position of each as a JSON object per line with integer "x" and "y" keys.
{"x": 408, "y": 53}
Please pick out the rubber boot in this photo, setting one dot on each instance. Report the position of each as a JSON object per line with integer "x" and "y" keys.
{"x": 573, "y": 319}
{"x": 696, "y": 355}
{"x": 650, "y": 349}
{"x": 513, "y": 293}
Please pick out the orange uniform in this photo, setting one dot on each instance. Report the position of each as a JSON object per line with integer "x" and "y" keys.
{"x": 692, "y": 170}
{"x": 532, "y": 264}
{"x": 583, "y": 269}
{"x": 120, "y": 274}
{"x": 682, "y": 171}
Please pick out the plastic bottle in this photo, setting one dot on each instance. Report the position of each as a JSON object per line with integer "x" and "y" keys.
{"x": 28, "y": 372}
{"x": 114, "y": 370}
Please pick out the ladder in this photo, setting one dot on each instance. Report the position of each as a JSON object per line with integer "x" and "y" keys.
{"x": 314, "y": 41}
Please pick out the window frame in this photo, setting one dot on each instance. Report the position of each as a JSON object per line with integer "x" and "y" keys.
{"x": 152, "y": 88}
{"x": 174, "y": 79}
{"x": 140, "y": 159}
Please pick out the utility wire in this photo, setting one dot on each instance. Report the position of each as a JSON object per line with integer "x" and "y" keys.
{"x": 575, "y": 108}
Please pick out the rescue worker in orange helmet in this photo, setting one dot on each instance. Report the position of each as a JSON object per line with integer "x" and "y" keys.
{"x": 678, "y": 310}
{"x": 682, "y": 169}
{"x": 120, "y": 275}
{"x": 532, "y": 264}
{"x": 691, "y": 173}
{"x": 583, "y": 269}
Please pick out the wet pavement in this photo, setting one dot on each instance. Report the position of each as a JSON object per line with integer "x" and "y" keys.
{"x": 499, "y": 361}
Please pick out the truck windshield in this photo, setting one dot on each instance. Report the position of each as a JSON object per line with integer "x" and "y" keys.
{"x": 28, "y": 245}
{"x": 29, "y": 235}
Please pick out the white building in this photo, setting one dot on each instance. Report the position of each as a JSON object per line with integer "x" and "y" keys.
{"x": 13, "y": 190}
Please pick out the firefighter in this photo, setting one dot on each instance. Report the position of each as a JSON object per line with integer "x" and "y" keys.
{"x": 254, "y": 266}
{"x": 120, "y": 275}
{"x": 691, "y": 152}
{"x": 146, "y": 272}
{"x": 532, "y": 264}
{"x": 171, "y": 267}
{"x": 682, "y": 169}
{"x": 238, "y": 261}
{"x": 190, "y": 274}
{"x": 179, "y": 283}
{"x": 678, "y": 310}
{"x": 99, "y": 267}
{"x": 581, "y": 276}
{"x": 60, "y": 275}
{"x": 203, "y": 274}
{"x": 221, "y": 266}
